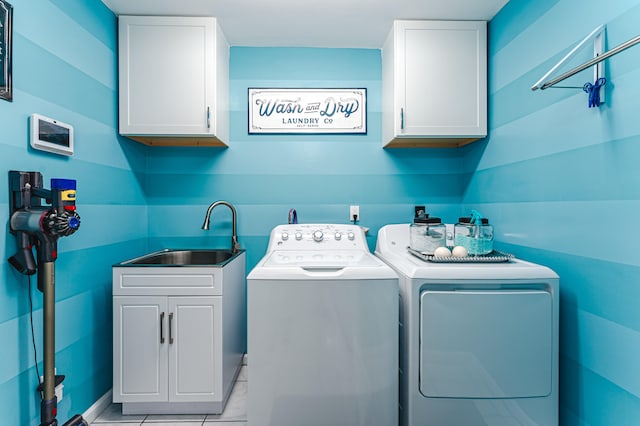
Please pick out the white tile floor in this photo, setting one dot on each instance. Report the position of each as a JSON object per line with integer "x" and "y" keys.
{"x": 235, "y": 412}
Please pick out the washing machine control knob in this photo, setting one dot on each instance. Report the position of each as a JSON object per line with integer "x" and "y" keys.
{"x": 351, "y": 236}
{"x": 338, "y": 236}
{"x": 298, "y": 236}
{"x": 318, "y": 236}
{"x": 285, "y": 236}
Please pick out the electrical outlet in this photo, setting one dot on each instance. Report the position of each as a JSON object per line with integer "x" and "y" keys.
{"x": 354, "y": 211}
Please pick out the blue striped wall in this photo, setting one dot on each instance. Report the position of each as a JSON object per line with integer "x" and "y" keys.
{"x": 562, "y": 185}
{"x": 555, "y": 177}
{"x": 319, "y": 175}
{"x": 64, "y": 66}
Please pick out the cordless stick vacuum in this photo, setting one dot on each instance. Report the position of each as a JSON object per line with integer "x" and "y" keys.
{"x": 34, "y": 224}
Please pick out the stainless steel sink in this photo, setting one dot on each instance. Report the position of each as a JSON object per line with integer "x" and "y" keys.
{"x": 197, "y": 257}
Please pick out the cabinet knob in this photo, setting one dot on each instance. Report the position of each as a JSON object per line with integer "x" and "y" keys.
{"x": 208, "y": 117}
{"x": 401, "y": 118}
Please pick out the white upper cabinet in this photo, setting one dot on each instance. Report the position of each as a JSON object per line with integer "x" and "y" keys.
{"x": 434, "y": 83}
{"x": 173, "y": 80}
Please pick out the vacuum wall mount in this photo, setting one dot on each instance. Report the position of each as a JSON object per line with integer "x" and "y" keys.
{"x": 39, "y": 225}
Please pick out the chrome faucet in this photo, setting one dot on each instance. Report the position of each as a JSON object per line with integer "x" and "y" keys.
{"x": 235, "y": 246}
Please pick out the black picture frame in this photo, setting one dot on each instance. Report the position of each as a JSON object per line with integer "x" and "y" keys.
{"x": 6, "y": 50}
{"x": 295, "y": 104}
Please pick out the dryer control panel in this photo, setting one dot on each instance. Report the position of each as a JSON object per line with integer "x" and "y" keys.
{"x": 317, "y": 237}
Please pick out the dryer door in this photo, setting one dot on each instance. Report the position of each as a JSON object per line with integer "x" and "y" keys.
{"x": 486, "y": 344}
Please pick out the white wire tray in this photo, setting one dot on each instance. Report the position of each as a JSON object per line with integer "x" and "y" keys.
{"x": 494, "y": 257}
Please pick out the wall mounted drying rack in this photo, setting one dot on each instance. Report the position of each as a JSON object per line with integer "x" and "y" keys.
{"x": 597, "y": 35}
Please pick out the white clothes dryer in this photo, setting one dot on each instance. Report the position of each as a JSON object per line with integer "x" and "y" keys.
{"x": 478, "y": 341}
{"x": 322, "y": 331}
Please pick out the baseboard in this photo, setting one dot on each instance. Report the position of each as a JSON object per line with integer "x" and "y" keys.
{"x": 98, "y": 407}
{"x": 101, "y": 404}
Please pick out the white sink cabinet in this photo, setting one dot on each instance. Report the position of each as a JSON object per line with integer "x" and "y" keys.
{"x": 434, "y": 84}
{"x": 178, "y": 336}
{"x": 173, "y": 80}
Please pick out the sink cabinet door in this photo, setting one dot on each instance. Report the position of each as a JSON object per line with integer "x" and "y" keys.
{"x": 195, "y": 355}
{"x": 140, "y": 358}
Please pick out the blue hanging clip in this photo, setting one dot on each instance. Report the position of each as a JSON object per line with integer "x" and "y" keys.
{"x": 593, "y": 90}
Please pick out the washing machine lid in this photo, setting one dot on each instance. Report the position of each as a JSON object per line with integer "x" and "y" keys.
{"x": 320, "y": 259}
{"x": 320, "y": 264}
{"x": 319, "y": 251}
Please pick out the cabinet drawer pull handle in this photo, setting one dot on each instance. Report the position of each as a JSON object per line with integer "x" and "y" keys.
{"x": 162, "y": 327}
{"x": 401, "y": 118}
{"x": 208, "y": 117}
{"x": 170, "y": 326}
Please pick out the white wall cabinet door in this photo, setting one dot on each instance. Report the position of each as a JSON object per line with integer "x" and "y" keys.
{"x": 173, "y": 80}
{"x": 140, "y": 357}
{"x": 434, "y": 83}
{"x": 195, "y": 356}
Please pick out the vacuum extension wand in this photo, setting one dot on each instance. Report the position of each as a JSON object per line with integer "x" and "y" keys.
{"x": 36, "y": 225}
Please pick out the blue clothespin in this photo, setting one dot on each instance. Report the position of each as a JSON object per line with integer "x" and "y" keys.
{"x": 593, "y": 90}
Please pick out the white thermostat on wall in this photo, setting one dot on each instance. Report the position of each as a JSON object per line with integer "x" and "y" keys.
{"x": 51, "y": 135}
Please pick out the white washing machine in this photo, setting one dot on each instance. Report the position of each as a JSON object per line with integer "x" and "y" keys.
{"x": 322, "y": 331}
{"x": 478, "y": 341}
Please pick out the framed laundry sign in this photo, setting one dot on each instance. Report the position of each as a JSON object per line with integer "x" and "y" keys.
{"x": 307, "y": 110}
{"x": 6, "y": 18}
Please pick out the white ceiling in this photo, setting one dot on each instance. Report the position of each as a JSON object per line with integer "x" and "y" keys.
{"x": 310, "y": 23}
